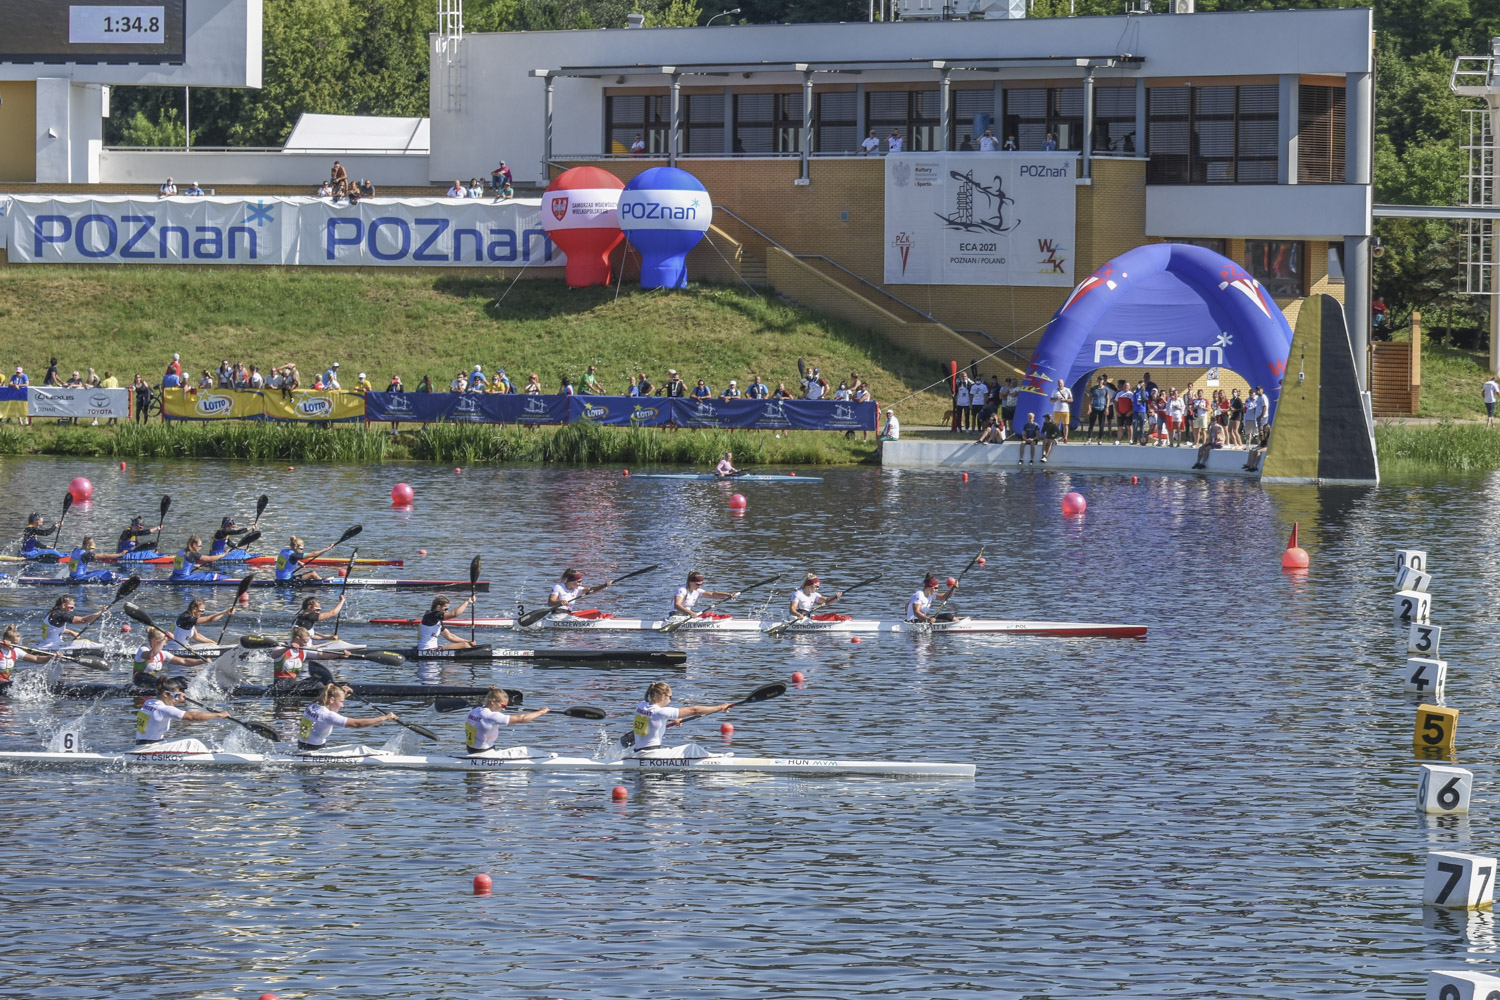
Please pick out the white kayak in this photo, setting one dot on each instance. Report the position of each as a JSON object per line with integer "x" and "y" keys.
{"x": 961, "y": 626}
{"x": 687, "y": 757}
{"x": 203, "y": 648}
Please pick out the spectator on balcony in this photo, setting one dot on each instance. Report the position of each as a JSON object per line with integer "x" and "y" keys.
{"x": 457, "y": 190}
{"x": 366, "y": 188}
{"x": 338, "y": 175}
{"x": 476, "y": 189}
{"x": 499, "y": 177}
{"x": 325, "y": 190}
{"x": 638, "y": 146}
{"x": 506, "y": 193}
{"x": 167, "y": 190}
{"x": 1049, "y": 143}
{"x": 871, "y": 145}
{"x": 195, "y": 190}
{"x": 1010, "y": 144}
{"x": 987, "y": 142}
{"x": 895, "y": 142}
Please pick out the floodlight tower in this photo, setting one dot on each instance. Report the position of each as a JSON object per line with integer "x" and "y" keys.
{"x": 1479, "y": 76}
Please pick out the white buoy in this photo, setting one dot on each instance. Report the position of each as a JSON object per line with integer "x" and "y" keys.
{"x": 1424, "y": 676}
{"x": 1424, "y": 639}
{"x": 1459, "y": 881}
{"x": 1462, "y": 985}
{"x": 1414, "y": 579}
{"x": 1413, "y": 606}
{"x": 1415, "y": 558}
{"x": 1443, "y": 790}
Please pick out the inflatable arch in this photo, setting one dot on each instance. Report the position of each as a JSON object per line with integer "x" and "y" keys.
{"x": 1166, "y": 305}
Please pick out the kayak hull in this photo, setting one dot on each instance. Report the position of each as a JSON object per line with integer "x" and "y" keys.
{"x": 656, "y": 657}
{"x": 967, "y": 626}
{"x": 283, "y": 690}
{"x": 708, "y": 477}
{"x": 368, "y": 583}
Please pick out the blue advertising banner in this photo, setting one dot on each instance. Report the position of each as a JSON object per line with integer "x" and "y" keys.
{"x": 467, "y": 407}
{"x": 620, "y": 411}
{"x": 774, "y": 414}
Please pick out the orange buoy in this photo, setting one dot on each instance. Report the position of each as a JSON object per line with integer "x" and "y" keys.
{"x": 797, "y": 677}
{"x": 619, "y": 794}
{"x": 1295, "y": 557}
{"x": 482, "y": 885}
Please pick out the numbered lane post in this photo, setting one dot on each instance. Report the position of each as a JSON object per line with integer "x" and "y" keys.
{"x": 1462, "y": 985}
{"x": 1414, "y": 579}
{"x": 1415, "y": 558}
{"x": 1424, "y": 639}
{"x": 1436, "y": 728}
{"x": 1413, "y": 606}
{"x": 1444, "y": 791}
{"x": 1424, "y": 676}
{"x": 1459, "y": 881}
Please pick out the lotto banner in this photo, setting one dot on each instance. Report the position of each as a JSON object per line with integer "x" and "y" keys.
{"x": 56, "y": 401}
{"x": 621, "y": 411}
{"x": 302, "y": 405}
{"x": 980, "y": 218}
{"x": 376, "y": 232}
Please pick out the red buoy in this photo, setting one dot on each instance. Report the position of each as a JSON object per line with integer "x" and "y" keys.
{"x": 966, "y": 477}
{"x": 125, "y": 627}
{"x": 1073, "y": 504}
{"x": 737, "y": 502}
{"x": 1135, "y": 479}
{"x": 726, "y": 729}
{"x": 1294, "y": 557}
{"x": 854, "y": 638}
{"x": 797, "y": 677}
{"x": 122, "y": 466}
{"x": 402, "y": 495}
{"x": 80, "y": 490}
{"x": 952, "y": 582}
{"x": 482, "y": 885}
{"x": 458, "y": 472}
{"x": 625, "y": 473}
{"x": 267, "y": 996}
{"x": 619, "y": 794}
{"x": 421, "y": 552}
{"x": 979, "y": 561}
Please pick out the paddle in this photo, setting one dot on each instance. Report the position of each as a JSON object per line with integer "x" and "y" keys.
{"x": 241, "y": 591}
{"x": 473, "y": 604}
{"x": 67, "y": 506}
{"x": 532, "y": 617}
{"x": 260, "y": 508}
{"x": 960, "y": 579}
{"x": 132, "y": 611}
{"x": 344, "y": 589}
{"x": 123, "y": 591}
{"x": 322, "y": 674}
{"x": 91, "y": 662}
{"x": 775, "y": 631}
{"x": 464, "y": 704}
{"x": 151, "y": 543}
{"x": 372, "y": 655}
{"x": 260, "y": 729}
{"x": 763, "y": 693}
{"x": 672, "y": 625}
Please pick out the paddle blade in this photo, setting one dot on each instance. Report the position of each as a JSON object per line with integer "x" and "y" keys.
{"x": 513, "y": 697}
{"x": 638, "y": 572}
{"x": 258, "y": 642}
{"x": 802, "y": 367}
{"x": 763, "y": 693}
{"x": 452, "y": 704}
{"x": 532, "y": 617}
{"x": 260, "y": 506}
{"x": 92, "y": 663}
{"x": 133, "y": 612}
{"x": 166, "y": 505}
{"x": 67, "y": 503}
{"x": 130, "y": 586}
{"x": 628, "y": 740}
{"x": 422, "y": 731}
{"x": 319, "y": 672}
{"x": 389, "y": 659}
{"x": 350, "y": 533}
{"x": 249, "y": 540}
{"x": 584, "y": 712}
{"x": 474, "y": 571}
{"x": 262, "y": 730}
{"x": 244, "y": 587}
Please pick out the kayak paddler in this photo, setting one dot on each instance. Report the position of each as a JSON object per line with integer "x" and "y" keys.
{"x": 917, "y": 605}
{"x": 570, "y": 588}
{"x": 220, "y": 545}
{"x": 321, "y": 717}
{"x": 291, "y": 562}
{"x": 189, "y": 557}
{"x": 687, "y": 596}
{"x": 289, "y": 663}
{"x": 185, "y": 631}
{"x": 128, "y": 537}
{"x": 482, "y": 725}
{"x": 655, "y": 713}
{"x": 806, "y": 600}
{"x": 725, "y": 469}
{"x": 10, "y": 654}
{"x": 30, "y": 547}
{"x": 431, "y": 631}
{"x": 151, "y": 660}
{"x": 79, "y": 560}
{"x": 312, "y": 612}
{"x": 154, "y": 717}
{"x": 58, "y": 619}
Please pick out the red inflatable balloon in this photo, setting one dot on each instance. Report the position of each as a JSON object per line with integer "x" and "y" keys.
{"x": 581, "y": 213}
{"x": 402, "y": 495}
{"x": 81, "y": 489}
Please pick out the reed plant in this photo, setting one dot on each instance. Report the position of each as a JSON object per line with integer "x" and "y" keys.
{"x": 1415, "y": 451}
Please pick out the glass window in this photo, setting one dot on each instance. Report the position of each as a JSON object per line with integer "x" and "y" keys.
{"x": 1218, "y": 246}
{"x": 1032, "y": 113}
{"x": 1212, "y": 135}
{"x": 703, "y": 123}
{"x": 768, "y": 123}
{"x": 1320, "y": 135}
{"x": 915, "y": 115}
{"x": 1278, "y": 266}
{"x": 626, "y": 117}
{"x": 1336, "y": 263}
{"x": 973, "y": 112}
{"x": 834, "y": 125}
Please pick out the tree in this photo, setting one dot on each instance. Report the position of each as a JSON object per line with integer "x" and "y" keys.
{"x": 166, "y": 131}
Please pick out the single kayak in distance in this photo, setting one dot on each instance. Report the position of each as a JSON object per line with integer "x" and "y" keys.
{"x": 709, "y": 477}
{"x": 482, "y": 586}
{"x": 153, "y": 558}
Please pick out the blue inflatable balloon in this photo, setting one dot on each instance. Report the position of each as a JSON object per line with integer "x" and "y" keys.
{"x": 664, "y": 213}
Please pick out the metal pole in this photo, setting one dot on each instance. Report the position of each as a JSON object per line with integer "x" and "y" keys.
{"x": 945, "y": 112}
{"x": 187, "y": 118}
{"x": 675, "y": 110}
{"x": 1488, "y": 169}
{"x": 807, "y": 123}
{"x": 547, "y": 131}
{"x": 1088, "y": 121}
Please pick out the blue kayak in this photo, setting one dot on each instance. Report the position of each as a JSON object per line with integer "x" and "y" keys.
{"x": 709, "y": 477}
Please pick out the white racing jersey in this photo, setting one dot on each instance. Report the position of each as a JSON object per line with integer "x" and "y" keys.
{"x": 650, "y": 723}
{"x": 150, "y": 664}
{"x": 154, "y": 718}
{"x": 56, "y": 622}
{"x": 430, "y": 631}
{"x": 317, "y": 722}
{"x": 805, "y": 602}
{"x": 918, "y": 602}
{"x": 482, "y": 727}
{"x": 565, "y": 596}
{"x": 688, "y": 599}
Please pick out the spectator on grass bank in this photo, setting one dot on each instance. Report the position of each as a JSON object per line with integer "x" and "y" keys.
{"x": 781, "y": 392}
{"x": 50, "y": 376}
{"x": 459, "y": 383}
{"x": 502, "y": 382}
{"x": 364, "y": 384}
{"x": 477, "y": 381}
{"x": 644, "y": 384}
{"x": 591, "y": 384}
{"x": 891, "y": 430}
{"x": 701, "y": 390}
{"x": 109, "y": 381}
{"x": 732, "y": 391}
{"x": 757, "y": 389}
{"x": 1489, "y": 392}
{"x": 142, "y": 393}
{"x": 567, "y": 387}
{"x": 395, "y": 385}
{"x": 533, "y": 385}
{"x": 425, "y": 385}
{"x": 675, "y": 388}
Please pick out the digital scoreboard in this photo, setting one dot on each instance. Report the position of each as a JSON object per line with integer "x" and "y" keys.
{"x": 58, "y": 31}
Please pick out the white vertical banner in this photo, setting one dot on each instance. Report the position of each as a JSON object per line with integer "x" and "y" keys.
{"x": 980, "y": 218}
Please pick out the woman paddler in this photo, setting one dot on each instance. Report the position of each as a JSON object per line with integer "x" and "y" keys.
{"x": 11, "y": 653}
{"x": 687, "y": 596}
{"x": 78, "y": 562}
{"x": 321, "y": 717}
{"x": 58, "y": 619}
{"x": 188, "y": 558}
{"x": 570, "y": 588}
{"x": 127, "y": 544}
{"x": 725, "y": 469}
{"x": 806, "y": 600}
{"x": 150, "y": 661}
{"x": 185, "y": 629}
{"x": 289, "y": 663}
{"x": 154, "y": 717}
{"x": 919, "y": 602}
{"x": 30, "y": 547}
{"x": 312, "y": 613}
{"x": 432, "y": 631}
{"x": 655, "y": 713}
{"x": 227, "y": 531}
{"x": 482, "y": 725}
{"x": 292, "y": 562}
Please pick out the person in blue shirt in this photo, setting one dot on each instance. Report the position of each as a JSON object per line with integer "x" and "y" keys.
{"x": 20, "y": 380}
{"x": 757, "y": 389}
{"x": 171, "y": 381}
{"x": 502, "y": 383}
{"x": 701, "y": 390}
{"x": 191, "y": 556}
{"x": 1031, "y": 431}
{"x": 78, "y": 571}
{"x": 30, "y": 547}
{"x": 733, "y": 392}
{"x": 127, "y": 543}
{"x": 220, "y": 545}
{"x": 291, "y": 562}
{"x": 1140, "y": 413}
{"x": 477, "y": 381}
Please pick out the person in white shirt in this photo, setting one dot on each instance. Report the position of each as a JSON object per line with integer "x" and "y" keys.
{"x": 167, "y": 190}
{"x": 1062, "y": 409}
{"x": 892, "y": 429}
{"x": 961, "y": 404}
{"x": 432, "y": 630}
{"x": 482, "y": 724}
{"x": 806, "y": 600}
{"x": 895, "y": 142}
{"x": 687, "y": 596}
{"x": 919, "y": 602}
{"x": 1490, "y": 391}
{"x": 871, "y": 145}
{"x": 638, "y": 146}
{"x": 654, "y": 714}
{"x": 155, "y": 716}
{"x": 323, "y": 716}
{"x": 570, "y": 588}
{"x": 458, "y": 190}
{"x": 978, "y": 393}
{"x": 988, "y": 143}
{"x": 725, "y": 469}
{"x": 1177, "y": 413}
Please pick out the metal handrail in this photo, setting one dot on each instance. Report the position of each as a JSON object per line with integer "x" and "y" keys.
{"x": 859, "y": 278}
{"x": 319, "y": 151}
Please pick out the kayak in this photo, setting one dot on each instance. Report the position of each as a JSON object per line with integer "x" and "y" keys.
{"x": 284, "y": 689}
{"x": 657, "y": 657}
{"x": 154, "y": 558}
{"x": 228, "y": 581}
{"x": 963, "y": 626}
{"x": 685, "y": 758}
{"x": 708, "y": 477}
{"x": 199, "y": 648}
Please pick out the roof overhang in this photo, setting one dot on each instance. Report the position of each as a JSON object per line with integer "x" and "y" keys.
{"x": 988, "y": 64}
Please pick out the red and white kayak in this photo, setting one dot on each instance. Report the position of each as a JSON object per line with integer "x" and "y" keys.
{"x": 962, "y": 626}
